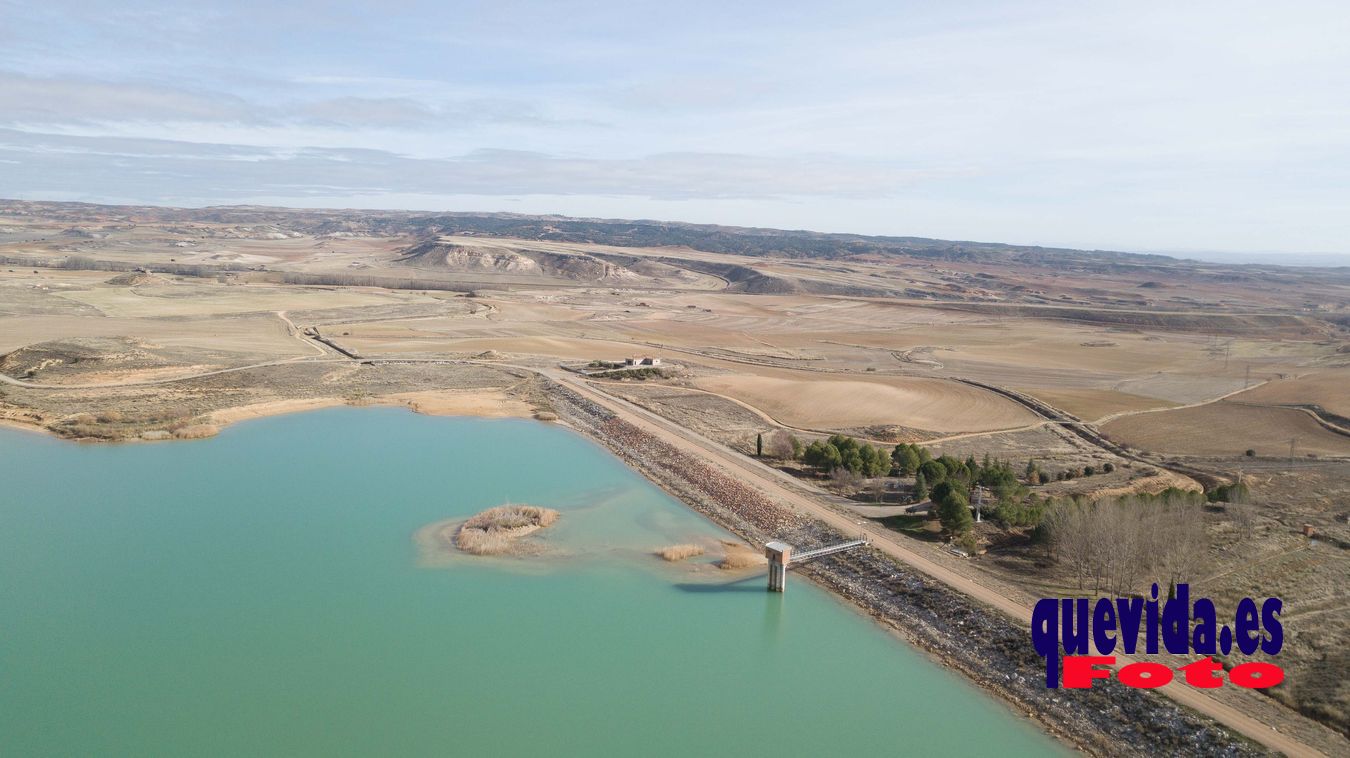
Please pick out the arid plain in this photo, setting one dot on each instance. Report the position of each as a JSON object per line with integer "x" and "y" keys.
{"x": 139, "y": 324}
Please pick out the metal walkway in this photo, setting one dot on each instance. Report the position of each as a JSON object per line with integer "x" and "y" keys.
{"x": 821, "y": 551}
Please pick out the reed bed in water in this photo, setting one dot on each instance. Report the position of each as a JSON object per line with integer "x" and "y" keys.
{"x": 495, "y": 530}
{"x": 675, "y": 553}
{"x": 738, "y": 556}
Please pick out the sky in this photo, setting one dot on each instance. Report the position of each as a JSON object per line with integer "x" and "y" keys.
{"x": 1214, "y": 128}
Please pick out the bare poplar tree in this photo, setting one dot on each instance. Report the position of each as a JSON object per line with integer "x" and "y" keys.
{"x": 1118, "y": 544}
{"x": 1244, "y": 519}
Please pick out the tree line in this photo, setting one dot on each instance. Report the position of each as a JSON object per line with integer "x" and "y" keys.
{"x": 849, "y": 454}
{"x": 1065, "y": 523}
{"x": 1116, "y": 544}
{"x": 946, "y": 480}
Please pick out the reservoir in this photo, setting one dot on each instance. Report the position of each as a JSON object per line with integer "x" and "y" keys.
{"x": 260, "y": 593}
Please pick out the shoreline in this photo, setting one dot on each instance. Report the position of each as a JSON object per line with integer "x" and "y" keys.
{"x": 494, "y": 403}
{"x": 20, "y": 426}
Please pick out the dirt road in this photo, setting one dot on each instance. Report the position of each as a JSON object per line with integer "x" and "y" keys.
{"x": 295, "y": 332}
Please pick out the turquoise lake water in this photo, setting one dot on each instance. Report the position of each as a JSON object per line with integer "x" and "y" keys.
{"x": 259, "y": 593}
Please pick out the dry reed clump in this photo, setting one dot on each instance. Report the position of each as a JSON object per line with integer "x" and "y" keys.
{"x": 680, "y": 552}
{"x": 512, "y": 517}
{"x": 738, "y": 556}
{"x": 196, "y": 431}
{"x": 495, "y": 530}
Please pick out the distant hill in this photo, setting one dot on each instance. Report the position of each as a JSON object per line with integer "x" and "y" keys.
{"x": 646, "y": 233}
{"x": 749, "y": 241}
{"x": 711, "y": 238}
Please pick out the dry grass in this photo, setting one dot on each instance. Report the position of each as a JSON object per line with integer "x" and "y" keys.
{"x": 512, "y": 517}
{"x": 484, "y": 403}
{"x": 1227, "y": 429}
{"x": 819, "y": 403}
{"x": 1092, "y": 404}
{"x": 675, "y": 553}
{"x": 196, "y": 431}
{"x": 737, "y": 556}
{"x": 1327, "y": 388}
{"x": 479, "y": 542}
{"x": 495, "y": 530}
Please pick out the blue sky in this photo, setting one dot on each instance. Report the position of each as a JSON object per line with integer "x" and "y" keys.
{"x": 1192, "y": 126}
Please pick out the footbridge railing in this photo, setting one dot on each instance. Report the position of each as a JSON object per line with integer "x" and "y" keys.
{"x": 780, "y": 555}
{"x": 807, "y": 555}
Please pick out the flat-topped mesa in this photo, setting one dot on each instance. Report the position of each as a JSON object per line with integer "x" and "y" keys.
{"x": 495, "y": 530}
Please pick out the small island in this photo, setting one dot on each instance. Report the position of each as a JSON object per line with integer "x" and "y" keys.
{"x": 495, "y": 531}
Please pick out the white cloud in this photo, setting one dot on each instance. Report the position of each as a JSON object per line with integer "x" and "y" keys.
{"x": 205, "y": 173}
{"x": 1195, "y": 125}
{"x": 41, "y": 100}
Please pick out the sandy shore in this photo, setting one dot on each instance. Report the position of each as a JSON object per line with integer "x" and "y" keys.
{"x": 273, "y": 408}
{"x": 22, "y": 426}
{"x": 493, "y": 403}
{"x": 482, "y": 403}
